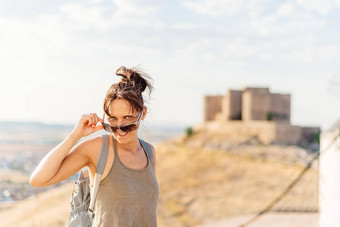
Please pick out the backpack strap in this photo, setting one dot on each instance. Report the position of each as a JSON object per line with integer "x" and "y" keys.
{"x": 147, "y": 148}
{"x": 104, "y": 151}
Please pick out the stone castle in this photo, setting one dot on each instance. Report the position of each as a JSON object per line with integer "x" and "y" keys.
{"x": 255, "y": 111}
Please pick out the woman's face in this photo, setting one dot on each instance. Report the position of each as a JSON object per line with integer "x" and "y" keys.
{"x": 121, "y": 115}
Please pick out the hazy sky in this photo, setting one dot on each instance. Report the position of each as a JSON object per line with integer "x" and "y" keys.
{"x": 58, "y": 58}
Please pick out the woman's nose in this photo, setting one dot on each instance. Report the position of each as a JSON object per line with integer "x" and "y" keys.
{"x": 120, "y": 122}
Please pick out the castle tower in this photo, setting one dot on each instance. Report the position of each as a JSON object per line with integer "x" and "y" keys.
{"x": 212, "y": 106}
{"x": 260, "y": 104}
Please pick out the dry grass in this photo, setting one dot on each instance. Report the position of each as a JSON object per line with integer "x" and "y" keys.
{"x": 50, "y": 208}
{"x": 196, "y": 184}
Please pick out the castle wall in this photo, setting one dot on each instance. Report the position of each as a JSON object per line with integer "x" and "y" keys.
{"x": 212, "y": 106}
{"x": 256, "y": 104}
{"x": 247, "y": 105}
{"x": 223, "y": 115}
{"x": 256, "y": 89}
{"x": 235, "y": 105}
{"x": 308, "y": 133}
{"x": 287, "y": 134}
{"x": 259, "y": 104}
{"x": 279, "y": 107}
{"x": 267, "y": 132}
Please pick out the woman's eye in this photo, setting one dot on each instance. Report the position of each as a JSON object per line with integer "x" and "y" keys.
{"x": 113, "y": 118}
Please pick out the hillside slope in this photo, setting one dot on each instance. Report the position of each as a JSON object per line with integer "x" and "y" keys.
{"x": 199, "y": 182}
{"x": 49, "y": 208}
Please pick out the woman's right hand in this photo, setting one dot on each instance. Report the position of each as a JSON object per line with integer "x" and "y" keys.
{"x": 87, "y": 125}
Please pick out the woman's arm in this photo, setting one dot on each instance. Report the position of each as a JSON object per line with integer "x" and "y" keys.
{"x": 65, "y": 160}
{"x": 50, "y": 164}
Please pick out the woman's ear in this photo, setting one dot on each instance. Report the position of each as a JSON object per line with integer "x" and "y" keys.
{"x": 145, "y": 110}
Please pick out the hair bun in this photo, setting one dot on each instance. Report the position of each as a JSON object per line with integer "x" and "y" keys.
{"x": 134, "y": 78}
{"x": 125, "y": 73}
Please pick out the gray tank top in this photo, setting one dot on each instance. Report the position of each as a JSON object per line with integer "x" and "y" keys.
{"x": 127, "y": 197}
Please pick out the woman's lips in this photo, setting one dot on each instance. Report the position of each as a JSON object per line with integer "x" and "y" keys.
{"x": 122, "y": 135}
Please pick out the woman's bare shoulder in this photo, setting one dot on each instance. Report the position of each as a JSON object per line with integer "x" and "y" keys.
{"x": 93, "y": 146}
{"x": 153, "y": 152}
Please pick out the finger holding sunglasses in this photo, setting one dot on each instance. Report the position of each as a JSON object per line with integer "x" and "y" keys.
{"x": 87, "y": 125}
{"x": 94, "y": 119}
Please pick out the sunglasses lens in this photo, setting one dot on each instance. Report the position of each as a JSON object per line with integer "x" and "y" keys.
{"x": 109, "y": 128}
{"x": 128, "y": 128}
{"x": 105, "y": 126}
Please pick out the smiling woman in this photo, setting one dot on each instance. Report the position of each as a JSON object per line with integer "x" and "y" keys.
{"x": 128, "y": 190}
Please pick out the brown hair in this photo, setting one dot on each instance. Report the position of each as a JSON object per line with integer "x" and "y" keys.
{"x": 129, "y": 88}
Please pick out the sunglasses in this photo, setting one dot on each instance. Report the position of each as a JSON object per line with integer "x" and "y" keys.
{"x": 125, "y": 128}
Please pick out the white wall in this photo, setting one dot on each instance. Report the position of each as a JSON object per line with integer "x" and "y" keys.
{"x": 329, "y": 181}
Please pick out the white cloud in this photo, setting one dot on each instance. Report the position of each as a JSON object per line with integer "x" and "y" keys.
{"x": 328, "y": 53}
{"x": 96, "y": 1}
{"x": 231, "y": 63}
{"x": 21, "y": 51}
{"x": 82, "y": 17}
{"x": 265, "y": 18}
{"x": 321, "y": 6}
{"x": 136, "y": 8}
{"x": 218, "y": 8}
{"x": 265, "y": 56}
{"x": 239, "y": 47}
{"x": 100, "y": 17}
{"x": 193, "y": 50}
{"x": 214, "y": 7}
{"x": 286, "y": 9}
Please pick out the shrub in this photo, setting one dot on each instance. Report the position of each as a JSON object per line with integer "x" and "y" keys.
{"x": 189, "y": 131}
{"x": 269, "y": 116}
{"x": 316, "y": 137}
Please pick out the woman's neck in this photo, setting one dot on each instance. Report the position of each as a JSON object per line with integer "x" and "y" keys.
{"x": 131, "y": 147}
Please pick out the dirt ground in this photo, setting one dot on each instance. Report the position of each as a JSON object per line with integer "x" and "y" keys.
{"x": 270, "y": 219}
